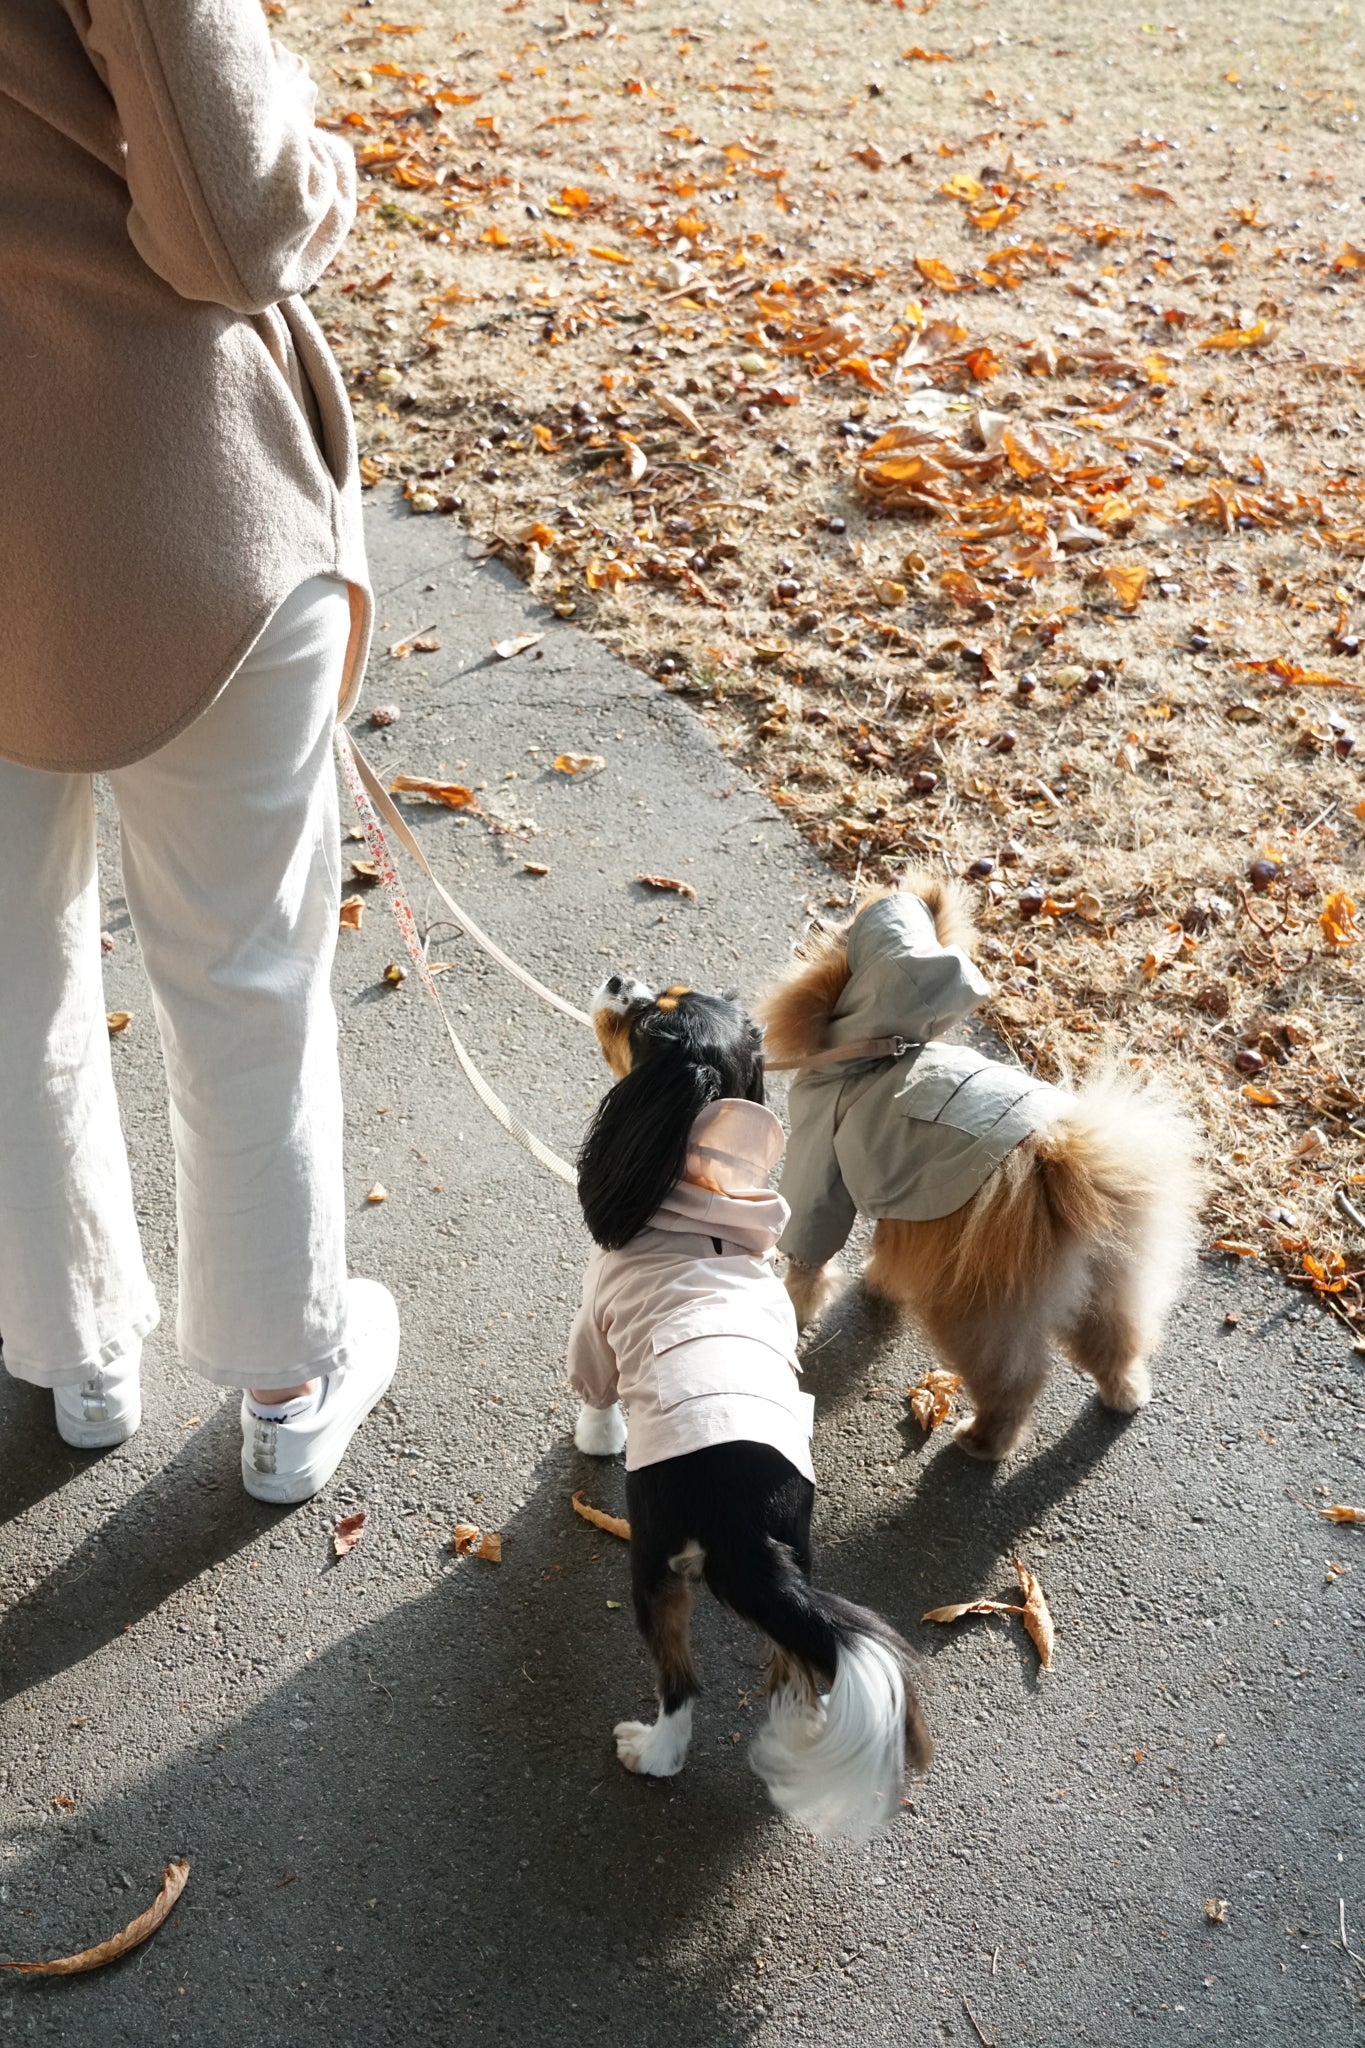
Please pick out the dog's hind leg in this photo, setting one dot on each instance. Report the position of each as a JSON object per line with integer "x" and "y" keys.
{"x": 1108, "y": 1335}
{"x": 663, "y": 1609}
{"x": 1003, "y": 1359}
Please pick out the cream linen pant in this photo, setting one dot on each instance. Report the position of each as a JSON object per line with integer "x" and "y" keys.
{"x": 231, "y": 868}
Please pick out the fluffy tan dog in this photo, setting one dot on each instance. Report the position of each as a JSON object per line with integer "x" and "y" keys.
{"x": 1010, "y": 1215}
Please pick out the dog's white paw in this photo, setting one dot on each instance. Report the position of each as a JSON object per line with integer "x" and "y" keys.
{"x": 601, "y": 1432}
{"x": 659, "y": 1751}
{"x": 1128, "y": 1390}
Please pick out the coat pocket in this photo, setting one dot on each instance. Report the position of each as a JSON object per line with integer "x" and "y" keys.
{"x": 700, "y": 1354}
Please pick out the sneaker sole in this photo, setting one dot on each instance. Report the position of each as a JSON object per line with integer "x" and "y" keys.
{"x": 297, "y": 1487}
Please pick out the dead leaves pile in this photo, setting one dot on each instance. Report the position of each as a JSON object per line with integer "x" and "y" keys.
{"x": 1025, "y": 540}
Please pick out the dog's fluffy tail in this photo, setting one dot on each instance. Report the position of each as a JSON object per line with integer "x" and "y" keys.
{"x": 1121, "y": 1161}
{"x": 836, "y": 1763}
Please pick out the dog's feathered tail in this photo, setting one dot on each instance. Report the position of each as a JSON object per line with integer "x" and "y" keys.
{"x": 836, "y": 1764}
{"x": 1120, "y": 1164}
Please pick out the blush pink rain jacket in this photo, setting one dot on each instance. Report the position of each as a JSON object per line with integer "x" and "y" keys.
{"x": 688, "y": 1325}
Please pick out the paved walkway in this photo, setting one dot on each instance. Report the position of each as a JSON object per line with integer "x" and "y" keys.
{"x": 394, "y": 1775}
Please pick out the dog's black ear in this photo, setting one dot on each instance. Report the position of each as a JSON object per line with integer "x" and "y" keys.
{"x": 636, "y": 1145}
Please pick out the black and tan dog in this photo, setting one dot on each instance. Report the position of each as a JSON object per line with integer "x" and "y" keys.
{"x": 686, "y": 1326}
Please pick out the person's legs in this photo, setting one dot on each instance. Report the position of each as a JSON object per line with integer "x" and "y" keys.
{"x": 231, "y": 862}
{"x": 75, "y": 1299}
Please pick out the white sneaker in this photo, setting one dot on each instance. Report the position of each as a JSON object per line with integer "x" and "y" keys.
{"x": 288, "y": 1461}
{"x": 102, "y": 1411}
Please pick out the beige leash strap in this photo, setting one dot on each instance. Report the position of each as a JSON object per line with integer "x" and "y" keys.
{"x": 860, "y": 1049}
{"x": 394, "y": 819}
{"x": 370, "y": 797}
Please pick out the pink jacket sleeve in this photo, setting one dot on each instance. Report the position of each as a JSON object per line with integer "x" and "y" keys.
{"x": 592, "y": 1363}
{"x": 236, "y": 197}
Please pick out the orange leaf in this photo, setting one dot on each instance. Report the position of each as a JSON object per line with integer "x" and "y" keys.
{"x": 1337, "y": 1513}
{"x": 935, "y": 272}
{"x": 610, "y": 255}
{"x": 615, "y": 1525}
{"x": 1265, "y": 1098}
{"x": 1350, "y": 258}
{"x": 578, "y": 764}
{"x": 351, "y": 912}
{"x": 960, "y": 186}
{"x": 173, "y": 1881}
{"x": 469, "y": 1540}
{"x": 859, "y": 368}
{"x": 916, "y": 55}
{"x": 1338, "y": 919}
{"x": 932, "y": 1399}
{"x": 1238, "y": 337}
{"x": 453, "y": 795}
{"x": 499, "y": 237}
{"x": 1127, "y": 581}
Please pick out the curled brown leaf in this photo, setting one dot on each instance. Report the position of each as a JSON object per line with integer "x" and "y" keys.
{"x": 173, "y": 1880}
{"x": 615, "y": 1525}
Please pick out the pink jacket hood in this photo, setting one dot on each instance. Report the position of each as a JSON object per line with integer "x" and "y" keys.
{"x": 688, "y": 1325}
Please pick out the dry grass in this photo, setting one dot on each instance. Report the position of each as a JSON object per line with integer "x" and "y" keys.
{"x": 636, "y": 288}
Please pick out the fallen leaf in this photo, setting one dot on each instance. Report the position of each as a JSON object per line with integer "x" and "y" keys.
{"x": 1238, "y": 337}
{"x": 1337, "y": 1513}
{"x": 453, "y": 795}
{"x": 347, "y": 1533}
{"x": 932, "y": 1398}
{"x": 615, "y": 1525}
{"x": 118, "y": 1020}
{"x": 64, "y": 1802}
{"x": 429, "y": 643}
{"x": 378, "y": 1193}
{"x": 958, "y": 1608}
{"x": 1264, "y": 1098}
{"x": 534, "y": 867}
{"x": 173, "y": 1881}
{"x": 352, "y": 911}
{"x": 937, "y": 273}
{"x": 1037, "y": 1619}
{"x": 469, "y": 1540}
{"x": 1034, "y": 1613}
{"x": 668, "y": 882}
{"x": 1216, "y": 1909}
{"x": 1338, "y": 920}
{"x": 1236, "y": 1248}
{"x": 578, "y": 764}
{"x": 1127, "y": 581}
{"x": 679, "y": 410}
{"x": 505, "y": 649}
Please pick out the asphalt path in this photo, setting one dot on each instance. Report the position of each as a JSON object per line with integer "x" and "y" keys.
{"x": 393, "y": 1774}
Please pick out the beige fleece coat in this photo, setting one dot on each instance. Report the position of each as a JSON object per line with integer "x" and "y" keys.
{"x": 178, "y": 449}
{"x": 688, "y": 1325}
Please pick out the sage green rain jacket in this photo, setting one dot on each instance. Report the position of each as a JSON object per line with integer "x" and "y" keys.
{"x": 911, "y": 1138}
